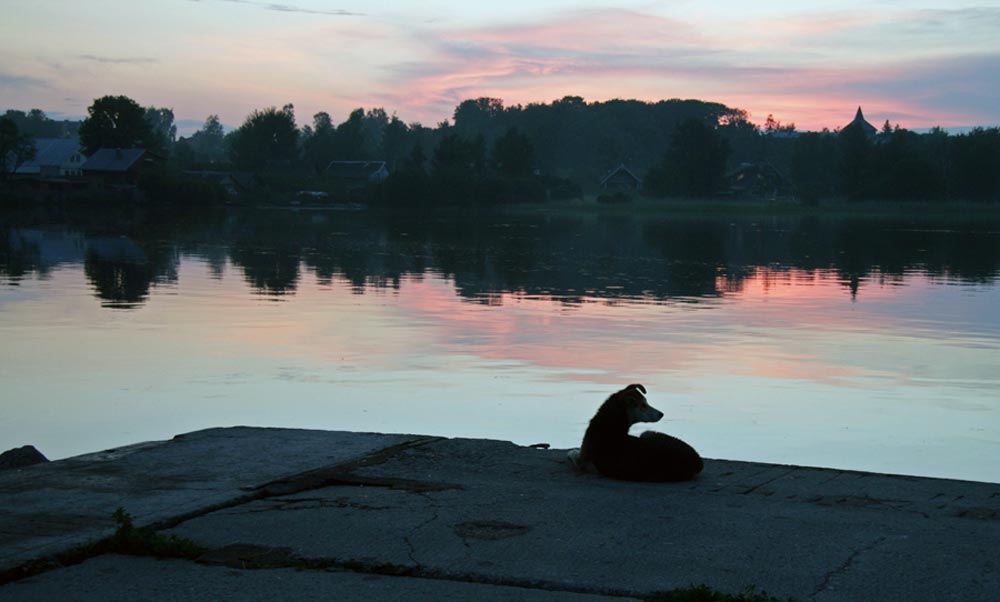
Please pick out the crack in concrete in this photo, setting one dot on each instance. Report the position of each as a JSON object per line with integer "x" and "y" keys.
{"x": 336, "y": 475}
{"x": 434, "y": 516}
{"x": 831, "y": 479}
{"x": 300, "y": 504}
{"x": 844, "y": 567}
{"x": 256, "y": 557}
{"x": 865, "y": 501}
{"x": 328, "y": 476}
{"x": 769, "y": 481}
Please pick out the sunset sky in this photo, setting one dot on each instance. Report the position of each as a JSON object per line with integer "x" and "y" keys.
{"x": 811, "y": 62}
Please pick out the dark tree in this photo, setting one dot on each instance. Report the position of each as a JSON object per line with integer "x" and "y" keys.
{"x": 349, "y": 139}
{"x": 116, "y": 122}
{"x": 513, "y": 154}
{"x": 812, "y": 156}
{"x": 319, "y": 142}
{"x": 207, "y": 143}
{"x": 266, "y": 137}
{"x": 408, "y": 183}
{"x": 854, "y": 166}
{"x": 161, "y": 121}
{"x": 693, "y": 165}
{"x": 15, "y": 147}
{"x": 455, "y": 168}
{"x": 454, "y": 155}
{"x": 394, "y": 142}
{"x": 372, "y": 131}
{"x": 474, "y": 117}
{"x": 417, "y": 159}
{"x": 976, "y": 157}
{"x": 903, "y": 170}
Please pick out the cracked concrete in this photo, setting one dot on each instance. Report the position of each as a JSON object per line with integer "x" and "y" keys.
{"x": 422, "y": 512}
{"x": 127, "y": 579}
{"x": 828, "y": 579}
{"x": 48, "y": 508}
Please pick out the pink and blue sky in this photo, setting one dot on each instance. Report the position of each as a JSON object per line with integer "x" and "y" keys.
{"x": 811, "y": 62}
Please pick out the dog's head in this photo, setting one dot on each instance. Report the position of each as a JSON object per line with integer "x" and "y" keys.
{"x": 637, "y": 409}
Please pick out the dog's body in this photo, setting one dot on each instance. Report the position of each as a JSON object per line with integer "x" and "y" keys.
{"x": 650, "y": 457}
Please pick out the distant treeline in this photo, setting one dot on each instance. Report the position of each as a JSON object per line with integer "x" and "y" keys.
{"x": 36, "y": 124}
{"x": 492, "y": 153}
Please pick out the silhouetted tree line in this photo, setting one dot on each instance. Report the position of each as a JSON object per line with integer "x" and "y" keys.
{"x": 491, "y": 153}
{"x": 897, "y": 164}
{"x": 36, "y": 124}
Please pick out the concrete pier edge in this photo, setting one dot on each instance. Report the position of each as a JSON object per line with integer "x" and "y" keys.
{"x": 481, "y": 514}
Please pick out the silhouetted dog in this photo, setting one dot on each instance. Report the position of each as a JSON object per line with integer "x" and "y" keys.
{"x": 650, "y": 457}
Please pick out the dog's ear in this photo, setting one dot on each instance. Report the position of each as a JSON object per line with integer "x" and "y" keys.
{"x": 635, "y": 386}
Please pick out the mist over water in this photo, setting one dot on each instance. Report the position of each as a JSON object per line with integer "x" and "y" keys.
{"x": 868, "y": 344}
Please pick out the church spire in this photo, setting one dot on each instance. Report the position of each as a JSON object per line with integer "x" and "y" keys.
{"x": 860, "y": 123}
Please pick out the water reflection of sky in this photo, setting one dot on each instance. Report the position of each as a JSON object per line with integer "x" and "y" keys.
{"x": 786, "y": 367}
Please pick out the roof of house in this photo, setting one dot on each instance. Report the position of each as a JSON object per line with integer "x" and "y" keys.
{"x": 113, "y": 159}
{"x": 361, "y": 170}
{"x": 621, "y": 169}
{"x": 50, "y": 151}
{"x": 860, "y": 122}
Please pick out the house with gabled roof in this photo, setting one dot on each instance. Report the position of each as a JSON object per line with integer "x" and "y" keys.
{"x": 358, "y": 173}
{"x": 757, "y": 179}
{"x": 54, "y": 157}
{"x": 118, "y": 165}
{"x": 621, "y": 178}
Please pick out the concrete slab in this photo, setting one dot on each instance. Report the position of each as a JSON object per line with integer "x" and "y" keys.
{"x": 493, "y": 512}
{"x": 48, "y": 508}
{"x": 468, "y": 518}
{"x": 127, "y": 579}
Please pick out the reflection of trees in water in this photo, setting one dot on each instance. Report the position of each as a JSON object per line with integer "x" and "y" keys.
{"x": 268, "y": 270}
{"x": 565, "y": 258}
{"x": 19, "y": 256}
{"x": 862, "y": 249}
{"x": 122, "y": 272}
{"x": 119, "y": 284}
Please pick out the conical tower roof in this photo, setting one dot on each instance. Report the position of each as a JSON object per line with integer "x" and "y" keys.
{"x": 861, "y": 123}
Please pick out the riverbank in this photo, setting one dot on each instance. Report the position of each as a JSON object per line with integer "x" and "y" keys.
{"x": 361, "y": 516}
{"x": 736, "y": 207}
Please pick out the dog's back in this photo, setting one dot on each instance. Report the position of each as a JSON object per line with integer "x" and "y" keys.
{"x": 652, "y": 457}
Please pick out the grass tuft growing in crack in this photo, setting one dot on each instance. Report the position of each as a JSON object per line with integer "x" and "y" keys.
{"x": 144, "y": 541}
{"x": 127, "y": 539}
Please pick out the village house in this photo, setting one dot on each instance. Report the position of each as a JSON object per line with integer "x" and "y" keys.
{"x": 116, "y": 167}
{"x": 621, "y": 178}
{"x": 357, "y": 174}
{"x": 757, "y": 179}
{"x": 54, "y": 158}
{"x": 234, "y": 183}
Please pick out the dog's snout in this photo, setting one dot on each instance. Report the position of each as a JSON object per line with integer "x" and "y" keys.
{"x": 648, "y": 413}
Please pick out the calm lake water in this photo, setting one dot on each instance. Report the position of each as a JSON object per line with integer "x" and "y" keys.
{"x": 869, "y": 344}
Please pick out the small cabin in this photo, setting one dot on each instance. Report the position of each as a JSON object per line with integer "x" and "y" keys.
{"x": 621, "y": 178}
{"x": 757, "y": 179}
{"x": 115, "y": 166}
{"x": 54, "y": 157}
{"x": 358, "y": 173}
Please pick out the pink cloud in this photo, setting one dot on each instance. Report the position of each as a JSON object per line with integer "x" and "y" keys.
{"x": 602, "y": 54}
